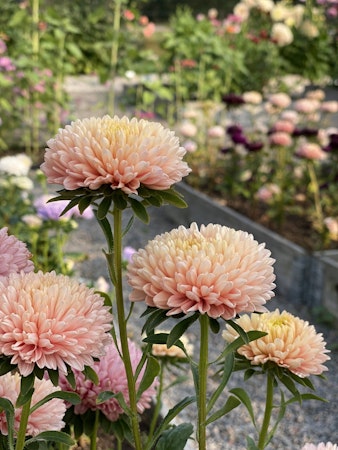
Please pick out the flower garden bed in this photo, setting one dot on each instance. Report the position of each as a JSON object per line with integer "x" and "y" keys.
{"x": 303, "y": 276}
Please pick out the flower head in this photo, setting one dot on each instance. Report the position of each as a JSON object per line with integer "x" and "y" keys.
{"x": 290, "y": 342}
{"x": 214, "y": 270}
{"x": 51, "y": 320}
{"x": 112, "y": 377}
{"x": 118, "y": 152}
{"x": 162, "y": 350}
{"x": 321, "y": 446}
{"x": 18, "y": 165}
{"x": 47, "y": 417}
{"x": 15, "y": 256}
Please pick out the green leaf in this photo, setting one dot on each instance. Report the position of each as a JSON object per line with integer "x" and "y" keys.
{"x": 180, "y": 328}
{"x": 139, "y": 210}
{"x": 84, "y": 203}
{"x": 54, "y": 436}
{"x": 104, "y": 207}
{"x": 70, "y": 397}
{"x": 214, "y": 325}
{"x": 231, "y": 403}
{"x": 107, "y": 395}
{"x": 227, "y": 371}
{"x": 242, "y": 333}
{"x": 8, "y": 407}
{"x": 175, "y": 438}
{"x": 6, "y": 366}
{"x": 306, "y": 396}
{"x": 151, "y": 371}
{"x": 245, "y": 399}
{"x": 173, "y": 197}
{"x": 155, "y": 318}
{"x": 172, "y": 413}
{"x": 251, "y": 444}
{"x": 91, "y": 375}
{"x": 26, "y": 390}
{"x": 252, "y": 335}
{"x": 71, "y": 378}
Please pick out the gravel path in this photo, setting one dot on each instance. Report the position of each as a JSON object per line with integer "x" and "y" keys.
{"x": 312, "y": 422}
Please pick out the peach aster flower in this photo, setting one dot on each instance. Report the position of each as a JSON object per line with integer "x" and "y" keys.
{"x": 290, "y": 342}
{"x": 50, "y": 320}
{"x": 115, "y": 151}
{"x": 311, "y": 150}
{"x": 321, "y": 446}
{"x": 15, "y": 256}
{"x": 47, "y": 417}
{"x": 214, "y": 270}
{"x": 112, "y": 377}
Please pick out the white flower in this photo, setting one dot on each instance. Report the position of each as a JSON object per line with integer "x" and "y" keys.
{"x": 282, "y": 34}
{"x": 18, "y": 165}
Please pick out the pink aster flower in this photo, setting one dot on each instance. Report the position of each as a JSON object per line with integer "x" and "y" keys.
{"x": 118, "y": 152}
{"x": 51, "y": 320}
{"x": 321, "y": 446}
{"x": 15, "y": 256}
{"x": 47, "y": 417}
{"x": 311, "y": 150}
{"x": 290, "y": 342}
{"x": 214, "y": 270}
{"x": 281, "y": 138}
{"x": 112, "y": 377}
{"x": 280, "y": 100}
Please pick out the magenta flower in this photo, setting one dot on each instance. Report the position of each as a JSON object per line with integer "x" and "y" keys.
{"x": 51, "y": 321}
{"x": 15, "y": 256}
{"x": 112, "y": 377}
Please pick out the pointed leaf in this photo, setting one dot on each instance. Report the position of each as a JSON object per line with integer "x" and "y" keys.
{"x": 26, "y": 390}
{"x": 84, "y": 203}
{"x": 227, "y": 371}
{"x": 154, "y": 319}
{"x": 175, "y": 438}
{"x": 91, "y": 375}
{"x": 180, "y": 328}
{"x": 139, "y": 210}
{"x": 104, "y": 207}
{"x": 54, "y": 436}
{"x": 173, "y": 197}
{"x": 242, "y": 395}
{"x": 70, "y": 397}
{"x": 230, "y": 404}
{"x": 250, "y": 443}
{"x": 214, "y": 325}
{"x": 151, "y": 371}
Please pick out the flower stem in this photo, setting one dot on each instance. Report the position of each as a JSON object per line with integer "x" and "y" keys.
{"x": 203, "y": 376}
{"x": 114, "y": 56}
{"x": 20, "y": 442}
{"x": 316, "y": 193}
{"x": 267, "y": 414}
{"x": 123, "y": 326}
{"x": 158, "y": 404}
{"x": 93, "y": 436}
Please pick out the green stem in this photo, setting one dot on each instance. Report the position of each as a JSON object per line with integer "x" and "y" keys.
{"x": 123, "y": 326}
{"x": 20, "y": 442}
{"x": 203, "y": 377}
{"x": 267, "y": 414}
{"x": 93, "y": 437}
{"x": 114, "y": 55}
{"x": 158, "y": 405}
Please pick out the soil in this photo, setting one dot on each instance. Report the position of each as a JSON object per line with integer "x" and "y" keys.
{"x": 296, "y": 228}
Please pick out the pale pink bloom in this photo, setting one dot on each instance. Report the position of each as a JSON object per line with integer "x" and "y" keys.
{"x": 51, "y": 320}
{"x": 331, "y": 224}
{"x": 281, "y": 34}
{"x": 280, "y": 100}
{"x": 281, "y": 138}
{"x": 265, "y": 5}
{"x": 128, "y": 15}
{"x": 316, "y": 94}
{"x": 253, "y": 97}
{"x": 267, "y": 192}
{"x": 309, "y": 29}
{"x": 149, "y": 30}
{"x": 307, "y": 105}
{"x": 190, "y": 146}
{"x": 118, "y": 152}
{"x": 212, "y": 13}
{"x": 290, "y": 342}
{"x": 320, "y": 446}
{"x": 217, "y": 131}
{"x": 15, "y": 256}
{"x": 112, "y": 377}
{"x": 290, "y": 115}
{"x": 188, "y": 129}
{"x": 242, "y": 10}
{"x": 329, "y": 106}
{"x": 284, "y": 125}
{"x": 311, "y": 150}
{"x": 214, "y": 270}
{"x": 46, "y": 418}
{"x": 323, "y": 137}
{"x": 143, "y": 20}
